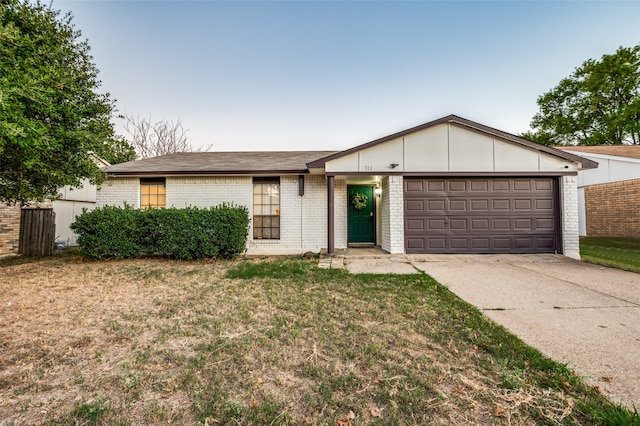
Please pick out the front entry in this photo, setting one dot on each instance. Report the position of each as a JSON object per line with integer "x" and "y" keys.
{"x": 360, "y": 215}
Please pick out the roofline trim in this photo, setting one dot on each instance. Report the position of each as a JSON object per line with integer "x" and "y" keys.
{"x": 458, "y": 174}
{"x": 210, "y": 173}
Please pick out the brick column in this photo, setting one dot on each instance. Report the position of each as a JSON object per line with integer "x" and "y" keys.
{"x": 570, "y": 228}
{"x": 393, "y": 214}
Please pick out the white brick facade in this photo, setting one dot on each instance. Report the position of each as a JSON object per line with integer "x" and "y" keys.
{"x": 570, "y": 227}
{"x": 117, "y": 191}
{"x": 340, "y": 208}
{"x": 208, "y": 191}
{"x": 392, "y": 214}
{"x": 303, "y": 219}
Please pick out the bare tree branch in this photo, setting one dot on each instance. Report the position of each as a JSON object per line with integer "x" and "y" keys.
{"x": 160, "y": 138}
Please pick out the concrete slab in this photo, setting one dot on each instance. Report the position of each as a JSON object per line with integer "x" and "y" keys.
{"x": 584, "y": 315}
{"x": 384, "y": 265}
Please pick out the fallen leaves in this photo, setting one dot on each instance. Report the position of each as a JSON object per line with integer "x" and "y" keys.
{"x": 347, "y": 420}
{"x": 607, "y": 379}
{"x": 499, "y": 411}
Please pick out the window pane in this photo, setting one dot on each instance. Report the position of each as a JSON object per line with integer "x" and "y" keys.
{"x": 266, "y": 208}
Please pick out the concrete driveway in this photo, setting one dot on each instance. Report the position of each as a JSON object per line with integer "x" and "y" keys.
{"x": 583, "y": 315}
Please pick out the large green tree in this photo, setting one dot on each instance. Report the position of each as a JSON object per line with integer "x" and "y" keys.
{"x": 599, "y": 104}
{"x": 52, "y": 114}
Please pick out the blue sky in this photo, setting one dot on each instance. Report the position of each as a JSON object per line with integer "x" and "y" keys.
{"x": 299, "y": 75}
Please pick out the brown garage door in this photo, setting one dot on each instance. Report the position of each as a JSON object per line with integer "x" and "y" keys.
{"x": 493, "y": 215}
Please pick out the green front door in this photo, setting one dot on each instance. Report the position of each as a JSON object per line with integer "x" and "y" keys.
{"x": 361, "y": 220}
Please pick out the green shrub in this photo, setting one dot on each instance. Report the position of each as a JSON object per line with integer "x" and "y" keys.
{"x": 108, "y": 232}
{"x": 189, "y": 233}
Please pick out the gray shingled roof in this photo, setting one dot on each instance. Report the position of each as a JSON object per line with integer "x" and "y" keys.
{"x": 241, "y": 162}
{"x": 629, "y": 151}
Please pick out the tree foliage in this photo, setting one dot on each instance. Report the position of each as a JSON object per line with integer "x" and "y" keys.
{"x": 51, "y": 112}
{"x": 599, "y": 104}
{"x": 152, "y": 139}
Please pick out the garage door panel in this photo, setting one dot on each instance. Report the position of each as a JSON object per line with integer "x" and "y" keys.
{"x": 458, "y": 224}
{"x": 502, "y": 243}
{"x": 546, "y": 243}
{"x": 526, "y": 205}
{"x": 436, "y": 243}
{"x": 414, "y": 205}
{"x": 414, "y": 186}
{"x": 522, "y": 185}
{"x": 457, "y": 205}
{"x": 544, "y": 204}
{"x": 416, "y": 224}
{"x": 415, "y": 244}
{"x": 436, "y": 186}
{"x": 523, "y": 224}
{"x": 481, "y": 215}
{"x": 500, "y": 185}
{"x": 436, "y": 225}
{"x": 480, "y": 185}
{"x": 459, "y": 244}
{"x": 544, "y": 185}
{"x": 481, "y": 205}
{"x": 501, "y": 205}
{"x": 481, "y": 243}
{"x": 543, "y": 224}
{"x": 480, "y": 224}
{"x": 435, "y": 206}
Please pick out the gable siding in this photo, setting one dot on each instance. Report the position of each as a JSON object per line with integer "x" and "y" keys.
{"x": 449, "y": 148}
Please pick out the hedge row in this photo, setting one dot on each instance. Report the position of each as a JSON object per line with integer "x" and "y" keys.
{"x": 190, "y": 233}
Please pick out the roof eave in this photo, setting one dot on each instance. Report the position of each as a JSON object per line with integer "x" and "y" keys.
{"x": 207, "y": 172}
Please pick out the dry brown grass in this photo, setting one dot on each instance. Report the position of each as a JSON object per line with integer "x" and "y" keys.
{"x": 154, "y": 341}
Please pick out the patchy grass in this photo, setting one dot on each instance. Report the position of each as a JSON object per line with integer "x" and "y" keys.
{"x": 620, "y": 253}
{"x": 265, "y": 342}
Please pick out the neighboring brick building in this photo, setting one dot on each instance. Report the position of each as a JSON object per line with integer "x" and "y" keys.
{"x": 613, "y": 209}
{"x": 9, "y": 229}
{"x": 609, "y": 196}
{"x": 448, "y": 186}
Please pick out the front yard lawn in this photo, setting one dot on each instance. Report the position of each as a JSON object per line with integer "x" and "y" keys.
{"x": 621, "y": 253}
{"x": 276, "y": 341}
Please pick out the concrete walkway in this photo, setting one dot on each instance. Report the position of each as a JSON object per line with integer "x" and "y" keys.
{"x": 583, "y": 315}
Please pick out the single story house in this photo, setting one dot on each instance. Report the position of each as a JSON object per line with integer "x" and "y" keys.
{"x": 609, "y": 196}
{"x": 447, "y": 186}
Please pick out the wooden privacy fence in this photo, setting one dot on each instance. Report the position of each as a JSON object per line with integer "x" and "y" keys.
{"x": 37, "y": 231}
